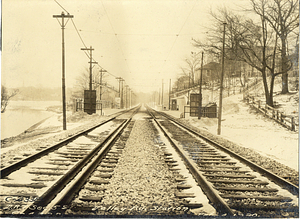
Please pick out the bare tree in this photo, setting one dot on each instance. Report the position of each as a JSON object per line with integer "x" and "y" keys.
{"x": 283, "y": 17}
{"x": 259, "y": 48}
{"x": 82, "y": 83}
{"x": 193, "y": 64}
{"x": 253, "y": 43}
{"x": 6, "y": 96}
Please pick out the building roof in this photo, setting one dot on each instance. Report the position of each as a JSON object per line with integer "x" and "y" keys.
{"x": 211, "y": 66}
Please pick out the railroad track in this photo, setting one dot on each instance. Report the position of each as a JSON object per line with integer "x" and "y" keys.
{"x": 6, "y": 170}
{"x": 73, "y": 180}
{"x": 89, "y": 186}
{"x": 30, "y": 184}
{"x": 234, "y": 185}
{"x": 86, "y": 194}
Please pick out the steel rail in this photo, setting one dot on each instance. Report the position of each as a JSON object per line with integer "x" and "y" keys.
{"x": 211, "y": 193}
{"x": 15, "y": 166}
{"x": 73, "y": 189}
{"x": 294, "y": 189}
{"x": 48, "y": 196}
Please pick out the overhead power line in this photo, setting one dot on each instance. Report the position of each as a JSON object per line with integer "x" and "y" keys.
{"x": 179, "y": 33}
{"x": 78, "y": 33}
{"x": 142, "y": 34}
{"x": 62, "y": 7}
{"x": 115, "y": 36}
{"x": 86, "y": 53}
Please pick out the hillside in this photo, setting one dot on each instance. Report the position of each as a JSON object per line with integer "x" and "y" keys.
{"x": 247, "y": 128}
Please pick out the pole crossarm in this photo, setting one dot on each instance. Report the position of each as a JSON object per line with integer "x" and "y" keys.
{"x": 90, "y": 49}
{"x": 91, "y": 62}
{"x": 63, "y": 15}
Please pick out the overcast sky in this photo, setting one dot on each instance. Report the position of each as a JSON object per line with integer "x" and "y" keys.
{"x": 142, "y": 41}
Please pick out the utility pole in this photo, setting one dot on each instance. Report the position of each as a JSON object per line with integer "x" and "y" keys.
{"x": 91, "y": 76}
{"x": 63, "y": 24}
{"x": 129, "y": 97}
{"x": 122, "y": 93}
{"x": 101, "y": 75}
{"x": 221, "y": 85}
{"x": 170, "y": 95}
{"x": 200, "y": 90}
{"x": 91, "y": 62}
{"x": 162, "y": 94}
{"x": 126, "y": 87}
{"x": 119, "y": 80}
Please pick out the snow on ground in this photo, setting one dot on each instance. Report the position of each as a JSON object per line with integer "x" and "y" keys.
{"x": 243, "y": 126}
{"x": 52, "y": 126}
{"x": 72, "y": 121}
{"x": 285, "y": 103}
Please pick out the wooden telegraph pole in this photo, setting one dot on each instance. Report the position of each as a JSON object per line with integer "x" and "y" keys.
{"x": 120, "y": 79}
{"x": 200, "y": 90}
{"x": 100, "y": 96}
{"x": 91, "y": 68}
{"x": 221, "y": 85}
{"x": 63, "y": 24}
{"x": 122, "y": 93}
{"x": 126, "y": 101}
{"x": 91, "y": 62}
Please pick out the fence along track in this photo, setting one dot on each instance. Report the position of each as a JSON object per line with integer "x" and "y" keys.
{"x": 284, "y": 120}
{"x": 235, "y": 185}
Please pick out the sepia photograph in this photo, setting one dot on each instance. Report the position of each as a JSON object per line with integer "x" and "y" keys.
{"x": 149, "y": 109}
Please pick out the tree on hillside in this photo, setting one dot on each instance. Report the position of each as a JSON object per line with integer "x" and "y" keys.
{"x": 260, "y": 49}
{"x": 253, "y": 43}
{"x": 6, "y": 96}
{"x": 283, "y": 17}
{"x": 190, "y": 69}
{"x": 212, "y": 46}
{"x": 181, "y": 83}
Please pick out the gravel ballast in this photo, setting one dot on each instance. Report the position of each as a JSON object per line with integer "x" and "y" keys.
{"x": 142, "y": 184}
